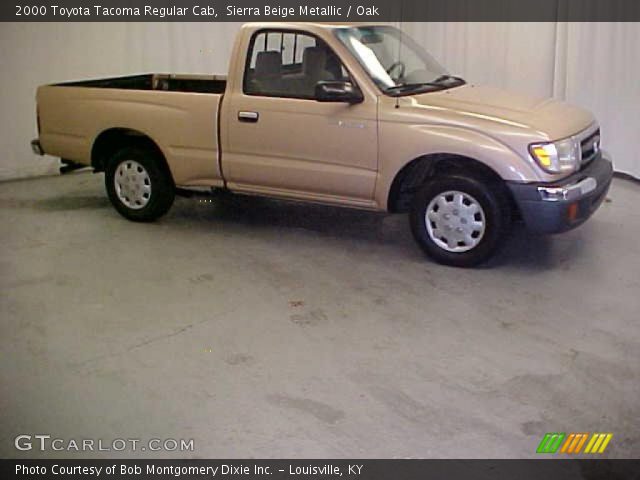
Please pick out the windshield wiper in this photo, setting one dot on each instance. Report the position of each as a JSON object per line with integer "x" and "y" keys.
{"x": 439, "y": 83}
{"x": 446, "y": 78}
{"x": 401, "y": 88}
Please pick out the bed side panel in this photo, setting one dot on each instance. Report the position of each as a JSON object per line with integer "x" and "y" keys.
{"x": 182, "y": 124}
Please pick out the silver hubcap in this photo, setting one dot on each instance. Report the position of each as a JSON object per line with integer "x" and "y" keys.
{"x": 133, "y": 185}
{"x": 455, "y": 221}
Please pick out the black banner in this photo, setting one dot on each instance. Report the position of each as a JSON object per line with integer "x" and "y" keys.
{"x": 546, "y": 469}
{"x": 319, "y": 10}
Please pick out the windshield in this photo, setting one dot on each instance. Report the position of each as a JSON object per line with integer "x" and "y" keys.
{"x": 395, "y": 62}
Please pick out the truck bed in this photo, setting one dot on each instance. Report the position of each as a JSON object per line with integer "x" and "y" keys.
{"x": 157, "y": 81}
{"x": 177, "y": 112}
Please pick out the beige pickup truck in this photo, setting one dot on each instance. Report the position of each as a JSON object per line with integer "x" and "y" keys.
{"x": 348, "y": 115}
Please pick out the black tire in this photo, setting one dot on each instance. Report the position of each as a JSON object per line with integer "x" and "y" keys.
{"x": 495, "y": 215}
{"x": 158, "y": 201}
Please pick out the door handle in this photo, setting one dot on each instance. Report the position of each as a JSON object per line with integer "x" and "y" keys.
{"x": 249, "y": 117}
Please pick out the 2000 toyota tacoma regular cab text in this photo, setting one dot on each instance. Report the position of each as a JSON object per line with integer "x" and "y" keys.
{"x": 350, "y": 115}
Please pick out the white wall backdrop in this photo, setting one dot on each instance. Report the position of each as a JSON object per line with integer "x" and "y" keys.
{"x": 596, "y": 65}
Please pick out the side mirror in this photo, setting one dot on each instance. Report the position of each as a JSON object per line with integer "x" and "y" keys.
{"x": 337, "y": 91}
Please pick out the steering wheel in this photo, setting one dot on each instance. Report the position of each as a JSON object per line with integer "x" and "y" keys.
{"x": 399, "y": 65}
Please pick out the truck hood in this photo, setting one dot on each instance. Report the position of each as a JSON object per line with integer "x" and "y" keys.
{"x": 550, "y": 118}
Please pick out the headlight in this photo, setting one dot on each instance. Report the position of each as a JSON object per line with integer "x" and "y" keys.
{"x": 562, "y": 156}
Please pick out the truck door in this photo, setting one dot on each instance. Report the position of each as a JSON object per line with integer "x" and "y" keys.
{"x": 279, "y": 140}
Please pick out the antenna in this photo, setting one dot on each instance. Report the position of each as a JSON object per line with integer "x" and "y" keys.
{"x": 400, "y": 42}
{"x": 400, "y": 27}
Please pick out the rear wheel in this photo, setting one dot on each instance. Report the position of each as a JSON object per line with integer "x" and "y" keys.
{"x": 138, "y": 184}
{"x": 459, "y": 220}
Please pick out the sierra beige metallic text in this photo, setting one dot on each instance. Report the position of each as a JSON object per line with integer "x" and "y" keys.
{"x": 342, "y": 114}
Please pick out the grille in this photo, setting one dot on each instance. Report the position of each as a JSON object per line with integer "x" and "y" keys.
{"x": 590, "y": 147}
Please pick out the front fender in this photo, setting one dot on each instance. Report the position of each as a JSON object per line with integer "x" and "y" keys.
{"x": 400, "y": 143}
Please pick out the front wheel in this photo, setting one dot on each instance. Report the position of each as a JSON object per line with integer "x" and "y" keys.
{"x": 139, "y": 186}
{"x": 459, "y": 220}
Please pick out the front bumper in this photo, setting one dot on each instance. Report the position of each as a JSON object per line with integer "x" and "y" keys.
{"x": 561, "y": 206}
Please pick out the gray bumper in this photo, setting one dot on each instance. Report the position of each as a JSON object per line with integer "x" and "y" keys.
{"x": 557, "y": 207}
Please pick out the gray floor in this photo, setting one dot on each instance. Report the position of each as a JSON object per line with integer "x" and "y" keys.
{"x": 270, "y": 329}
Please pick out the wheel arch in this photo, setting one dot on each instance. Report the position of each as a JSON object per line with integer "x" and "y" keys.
{"x": 112, "y": 140}
{"x": 416, "y": 172}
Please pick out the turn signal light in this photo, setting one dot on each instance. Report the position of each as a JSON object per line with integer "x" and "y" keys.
{"x": 542, "y": 155}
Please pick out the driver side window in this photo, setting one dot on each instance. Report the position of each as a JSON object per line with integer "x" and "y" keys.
{"x": 289, "y": 64}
